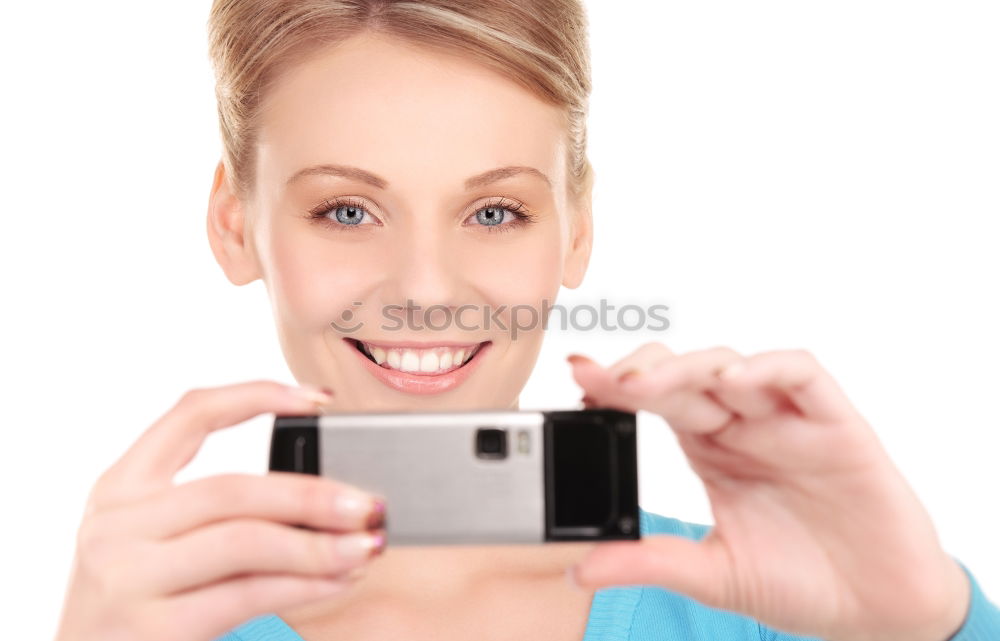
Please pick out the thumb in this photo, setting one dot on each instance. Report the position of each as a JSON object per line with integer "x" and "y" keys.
{"x": 695, "y": 569}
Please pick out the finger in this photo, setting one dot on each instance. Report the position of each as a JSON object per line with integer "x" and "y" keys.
{"x": 679, "y": 389}
{"x": 797, "y": 375}
{"x": 695, "y": 370}
{"x": 645, "y": 357}
{"x": 693, "y": 568}
{"x": 284, "y": 497}
{"x": 748, "y": 400}
{"x": 250, "y": 546}
{"x": 227, "y": 604}
{"x": 641, "y": 359}
{"x": 685, "y": 410}
{"x": 172, "y": 441}
{"x": 676, "y": 388}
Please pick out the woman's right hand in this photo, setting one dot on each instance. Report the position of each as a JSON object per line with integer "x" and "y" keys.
{"x": 158, "y": 561}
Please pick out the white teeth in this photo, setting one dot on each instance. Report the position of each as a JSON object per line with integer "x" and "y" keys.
{"x": 411, "y": 362}
{"x": 434, "y": 360}
{"x": 429, "y": 362}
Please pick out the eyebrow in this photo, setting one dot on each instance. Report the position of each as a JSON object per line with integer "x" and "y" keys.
{"x": 355, "y": 173}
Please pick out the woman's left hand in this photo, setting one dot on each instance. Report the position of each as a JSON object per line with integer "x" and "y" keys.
{"x": 816, "y": 532}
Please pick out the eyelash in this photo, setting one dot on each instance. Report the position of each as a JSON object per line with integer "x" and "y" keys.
{"x": 522, "y": 216}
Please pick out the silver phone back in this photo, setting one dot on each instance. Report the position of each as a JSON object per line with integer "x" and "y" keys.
{"x": 437, "y": 490}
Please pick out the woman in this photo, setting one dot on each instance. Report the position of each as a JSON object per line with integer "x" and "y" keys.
{"x": 430, "y": 155}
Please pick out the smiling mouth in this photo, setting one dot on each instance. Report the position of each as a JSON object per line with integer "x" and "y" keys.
{"x": 426, "y": 361}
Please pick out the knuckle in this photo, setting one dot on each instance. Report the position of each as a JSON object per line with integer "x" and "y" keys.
{"x": 105, "y": 568}
{"x": 245, "y": 537}
{"x": 94, "y": 541}
{"x": 86, "y": 534}
{"x": 315, "y": 500}
{"x": 251, "y": 594}
{"x": 654, "y": 347}
{"x": 324, "y": 553}
{"x": 191, "y": 398}
{"x": 681, "y": 407}
{"x": 97, "y": 494}
{"x": 724, "y": 350}
{"x": 112, "y": 574}
{"x": 223, "y": 489}
{"x": 236, "y": 540}
{"x": 805, "y": 356}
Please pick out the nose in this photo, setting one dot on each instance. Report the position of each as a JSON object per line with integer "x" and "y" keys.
{"x": 423, "y": 268}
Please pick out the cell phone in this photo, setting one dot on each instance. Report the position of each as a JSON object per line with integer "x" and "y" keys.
{"x": 478, "y": 477}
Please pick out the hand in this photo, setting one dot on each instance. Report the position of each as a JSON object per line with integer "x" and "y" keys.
{"x": 816, "y": 532}
{"x": 153, "y": 558}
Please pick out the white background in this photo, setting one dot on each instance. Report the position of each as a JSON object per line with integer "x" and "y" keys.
{"x": 782, "y": 174}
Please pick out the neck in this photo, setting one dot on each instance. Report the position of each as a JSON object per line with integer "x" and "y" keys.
{"x": 445, "y": 571}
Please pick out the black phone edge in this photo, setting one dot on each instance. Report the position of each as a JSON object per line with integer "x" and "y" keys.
{"x": 295, "y": 444}
{"x": 623, "y": 523}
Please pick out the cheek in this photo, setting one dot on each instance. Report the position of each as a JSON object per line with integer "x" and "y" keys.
{"x": 312, "y": 282}
{"x": 519, "y": 275}
{"x": 523, "y": 271}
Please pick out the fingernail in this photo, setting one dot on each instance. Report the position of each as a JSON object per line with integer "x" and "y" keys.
{"x": 732, "y": 370}
{"x": 361, "y": 545}
{"x": 318, "y": 395}
{"x": 352, "y": 505}
{"x": 577, "y": 359}
{"x": 376, "y": 519}
{"x": 628, "y": 375}
{"x": 378, "y": 543}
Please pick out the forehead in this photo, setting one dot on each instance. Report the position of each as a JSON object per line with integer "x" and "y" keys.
{"x": 393, "y": 108}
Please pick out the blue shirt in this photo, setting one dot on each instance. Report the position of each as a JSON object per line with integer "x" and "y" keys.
{"x": 650, "y": 613}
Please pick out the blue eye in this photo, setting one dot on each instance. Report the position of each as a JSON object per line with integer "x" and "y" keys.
{"x": 339, "y": 213}
{"x": 342, "y": 213}
{"x": 349, "y": 215}
{"x": 491, "y": 215}
{"x": 503, "y": 216}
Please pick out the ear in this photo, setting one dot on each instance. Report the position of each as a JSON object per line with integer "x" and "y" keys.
{"x": 228, "y": 234}
{"x": 581, "y": 241}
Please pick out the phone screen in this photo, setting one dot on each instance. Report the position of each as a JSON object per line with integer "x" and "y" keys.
{"x": 584, "y": 457}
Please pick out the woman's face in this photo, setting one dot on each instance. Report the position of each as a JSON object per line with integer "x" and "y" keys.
{"x": 415, "y": 202}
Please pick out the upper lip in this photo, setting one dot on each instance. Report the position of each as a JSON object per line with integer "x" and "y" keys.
{"x": 418, "y": 344}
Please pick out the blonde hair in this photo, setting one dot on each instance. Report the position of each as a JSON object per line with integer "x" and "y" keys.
{"x": 540, "y": 44}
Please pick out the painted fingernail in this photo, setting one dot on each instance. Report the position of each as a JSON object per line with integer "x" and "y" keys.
{"x": 376, "y": 519}
{"x": 313, "y": 393}
{"x": 577, "y": 359}
{"x": 732, "y": 370}
{"x": 360, "y": 545}
{"x": 378, "y": 543}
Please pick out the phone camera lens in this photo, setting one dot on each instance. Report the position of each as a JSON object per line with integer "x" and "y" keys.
{"x": 491, "y": 443}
